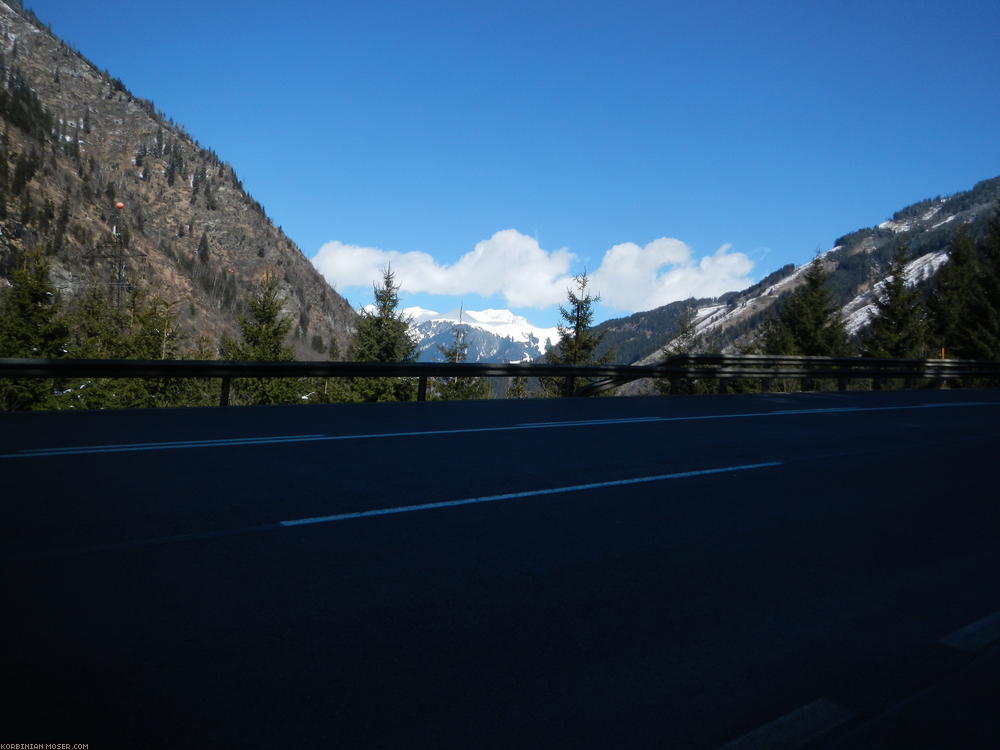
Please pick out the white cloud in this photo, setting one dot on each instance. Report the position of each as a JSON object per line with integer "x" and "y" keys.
{"x": 633, "y": 278}
{"x": 514, "y": 266}
{"x": 508, "y": 263}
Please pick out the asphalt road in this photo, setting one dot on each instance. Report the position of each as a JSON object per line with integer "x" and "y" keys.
{"x": 674, "y": 572}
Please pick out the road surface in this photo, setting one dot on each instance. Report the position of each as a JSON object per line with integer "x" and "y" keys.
{"x": 661, "y": 572}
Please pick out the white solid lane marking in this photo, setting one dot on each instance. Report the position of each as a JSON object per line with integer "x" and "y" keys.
{"x": 793, "y": 730}
{"x": 976, "y": 636}
{"x": 238, "y": 442}
{"x": 527, "y": 493}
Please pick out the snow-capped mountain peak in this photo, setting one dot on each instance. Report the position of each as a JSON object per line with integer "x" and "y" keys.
{"x": 492, "y": 335}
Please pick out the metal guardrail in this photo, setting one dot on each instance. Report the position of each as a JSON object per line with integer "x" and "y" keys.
{"x": 721, "y": 367}
{"x": 768, "y": 368}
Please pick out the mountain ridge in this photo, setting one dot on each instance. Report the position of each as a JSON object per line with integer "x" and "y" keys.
{"x": 77, "y": 143}
{"x": 856, "y": 265}
{"x": 492, "y": 335}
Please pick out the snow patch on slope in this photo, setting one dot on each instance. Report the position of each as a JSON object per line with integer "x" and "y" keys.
{"x": 896, "y": 226}
{"x": 905, "y": 226}
{"x": 859, "y": 311}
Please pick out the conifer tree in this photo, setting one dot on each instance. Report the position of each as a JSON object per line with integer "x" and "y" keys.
{"x": 262, "y": 339}
{"x": 459, "y": 388}
{"x": 518, "y": 388}
{"x": 980, "y": 330}
{"x": 686, "y": 341}
{"x": 98, "y": 326}
{"x": 898, "y": 330}
{"x": 203, "y": 248}
{"x": 807, "y": 323}
{"x": 32, "y": 326}
{"x": 383, "y": 335}
{"x": 142, "y": 328}
{"x": 577, "y": 342}
{"x": 954, "y": 288}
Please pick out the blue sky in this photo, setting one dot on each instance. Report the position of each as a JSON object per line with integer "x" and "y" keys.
{"x": 489, "y": 151}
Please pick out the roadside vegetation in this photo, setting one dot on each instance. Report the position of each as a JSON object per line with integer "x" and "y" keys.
{"x": 957, "y": 315}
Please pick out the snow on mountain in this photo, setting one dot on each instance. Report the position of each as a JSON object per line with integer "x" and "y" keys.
{"x": 860, "y": 310}
{"x": 856, "y": 313}
{"x": 491, "y": 335}
{"x": 714, "y": 317}
{"x": 906, "y": 226}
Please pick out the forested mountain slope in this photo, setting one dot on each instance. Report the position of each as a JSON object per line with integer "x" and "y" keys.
{"x": 856, "y": 264}
{"x": 118, "y": 196}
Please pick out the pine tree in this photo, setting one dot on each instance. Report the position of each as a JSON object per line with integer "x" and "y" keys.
{"x": 777, "y": 337}
{"x": 203, "y": 248}
{"x": 954, "y": 288}
{"x": 899, "y": 328}
{"x": 262, "y": 339}
{"x": 459, "y": 388}
{"x": 686, "y": 341}
{"x": 98, "y": 326}
{"x": 980, "y": 330}
{"x": 807, "y": 322}
{"x": 142, "y": 328}
{"x": 518, "y": 388}
{"x": 383, "y": 335}
{"x": 32, "y": 326}
{"x": 577, "y": 342}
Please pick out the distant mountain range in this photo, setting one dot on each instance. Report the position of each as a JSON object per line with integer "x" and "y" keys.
{"x": 491, "y": 335}
{"x": 732, "y": 322}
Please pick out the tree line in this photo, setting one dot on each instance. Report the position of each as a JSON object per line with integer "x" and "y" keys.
{"x": 36, "y": 322}
{"x": 958, "y": 315}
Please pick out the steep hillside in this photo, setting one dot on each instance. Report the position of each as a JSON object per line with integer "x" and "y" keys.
{"x": 76, "y": 145}
{"x": 856, "y": 265}
{"x": 633, "y": 338}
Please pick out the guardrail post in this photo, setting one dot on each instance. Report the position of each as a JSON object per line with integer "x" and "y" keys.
{"x": 224, "y": 393}
{"x": 841, "y": 384}
{"x": 422, "y": 388}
